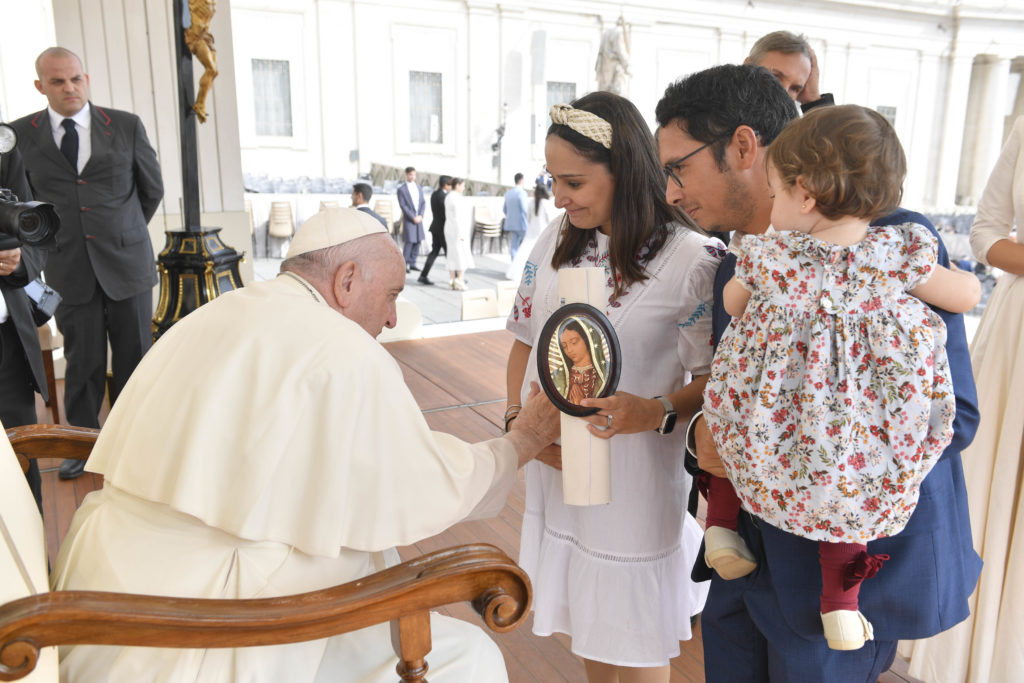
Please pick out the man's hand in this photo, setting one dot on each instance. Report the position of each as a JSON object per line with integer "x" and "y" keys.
{"x": 9, "y": 260}
{"x": 811, "y": 91}
{"x": 707, "y": 452}
{"x": 417, "y": 219}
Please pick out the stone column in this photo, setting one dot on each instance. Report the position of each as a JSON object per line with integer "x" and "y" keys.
{"x": 983, "y": 127}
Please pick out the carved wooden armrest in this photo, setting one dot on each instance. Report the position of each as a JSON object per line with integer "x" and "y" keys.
{"x": 52, "y": 441}
{"x": 481, "y": 574}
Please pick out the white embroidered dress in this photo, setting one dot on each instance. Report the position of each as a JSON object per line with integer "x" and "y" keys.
{"x": 616, "y": 577}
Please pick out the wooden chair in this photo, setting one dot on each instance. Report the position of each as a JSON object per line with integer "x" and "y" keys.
{"x": 329, "y": 204}
{"x": 487, "y": 227}
{"x": 386, "y": 209}
{"x": 281, "y": 224}
{"x": 404, "y": 595}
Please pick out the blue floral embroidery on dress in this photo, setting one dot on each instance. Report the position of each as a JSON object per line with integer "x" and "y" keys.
{"x": 702, "y": 308}
{"x": 717, "y": 252}
{"x": 529, "y": 272}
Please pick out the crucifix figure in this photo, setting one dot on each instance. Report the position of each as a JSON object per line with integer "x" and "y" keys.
{"x": 200, "y": 43}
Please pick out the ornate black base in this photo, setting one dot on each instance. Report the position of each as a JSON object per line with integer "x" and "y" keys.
{"x": 195, "y": 267}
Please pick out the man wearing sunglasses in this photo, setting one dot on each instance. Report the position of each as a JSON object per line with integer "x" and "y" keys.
{"x": 714, "y": 130}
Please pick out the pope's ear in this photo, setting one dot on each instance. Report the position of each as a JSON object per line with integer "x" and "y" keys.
{"x": 344, "y": 282}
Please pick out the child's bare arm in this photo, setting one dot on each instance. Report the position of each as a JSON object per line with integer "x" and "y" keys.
{"x": 951, "y": 289}
{"x": 735, "y": 297}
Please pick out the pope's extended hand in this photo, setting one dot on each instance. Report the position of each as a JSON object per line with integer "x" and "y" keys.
{"x": 538, "y": 422}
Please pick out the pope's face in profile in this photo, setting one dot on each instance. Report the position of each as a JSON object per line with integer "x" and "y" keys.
{"x": 575, "y": 348}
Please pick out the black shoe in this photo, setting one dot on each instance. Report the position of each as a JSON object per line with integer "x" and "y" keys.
{"x": 424, "y": 280}
{"x": 71, "y": 469}
{"x": 414, "y": 268}
{"x": 407, "y": 269}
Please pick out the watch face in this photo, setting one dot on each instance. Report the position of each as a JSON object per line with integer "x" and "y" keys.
{"x": 8, "y": 138}
{"x": 670, "y": 423}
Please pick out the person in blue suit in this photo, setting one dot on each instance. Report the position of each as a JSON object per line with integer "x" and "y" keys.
{"x": 714, "y": 130}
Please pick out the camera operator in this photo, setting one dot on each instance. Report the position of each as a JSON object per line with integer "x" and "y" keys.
{"x": 21, "y": 361}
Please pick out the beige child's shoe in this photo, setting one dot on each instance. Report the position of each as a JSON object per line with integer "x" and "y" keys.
{"x": 727, "y": 553}
{"x": 846, "y": 629}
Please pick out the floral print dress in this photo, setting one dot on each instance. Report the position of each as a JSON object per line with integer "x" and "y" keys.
{"x": 830, "y": 398}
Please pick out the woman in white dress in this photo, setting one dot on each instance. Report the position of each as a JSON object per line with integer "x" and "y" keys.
{"x": 616, "y": 577}
{"x": 540, "y": 214}
{"x": 987, "y": 646}
{"x": 458, "y": 231}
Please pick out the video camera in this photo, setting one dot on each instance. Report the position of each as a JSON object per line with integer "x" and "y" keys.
{"x": 32, "y": 223}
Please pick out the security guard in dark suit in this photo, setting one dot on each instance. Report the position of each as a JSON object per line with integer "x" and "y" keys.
{"x": 99, "y": 169}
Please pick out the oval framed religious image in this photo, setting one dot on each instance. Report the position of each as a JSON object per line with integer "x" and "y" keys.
{"x": 578, "y": 357}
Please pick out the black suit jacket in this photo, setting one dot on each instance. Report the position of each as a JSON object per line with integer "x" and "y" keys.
{"x": 12, "y": 177}
{"x": 104, "y": 211}
{"x": 437, "y": 209}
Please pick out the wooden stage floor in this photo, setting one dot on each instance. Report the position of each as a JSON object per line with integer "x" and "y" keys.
{"x": 459, "y": 383}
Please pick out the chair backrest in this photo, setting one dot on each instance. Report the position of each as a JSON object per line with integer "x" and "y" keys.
{"x": 506, "y": 290}
{"x": 483, "y": 216}
{"x": 328, "y": 204}
{"x": 479, "y": 303}
{"x": 22, "y": 549}
{"x": 387, "y": 210}
{"x": 281, "y": 223}
{"x": 33, "y": 620}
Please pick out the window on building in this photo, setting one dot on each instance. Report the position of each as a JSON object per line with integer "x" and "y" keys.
{"x": 272, "y": 90}
{"x": 559, "y": 93}
{"x": 425, "y": 107}
{"x": 888, "y": 112}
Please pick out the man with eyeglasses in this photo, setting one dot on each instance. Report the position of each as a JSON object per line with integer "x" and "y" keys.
{"x": 714, "y": 130}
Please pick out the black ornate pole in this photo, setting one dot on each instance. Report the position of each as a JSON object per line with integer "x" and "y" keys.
{"x": 195, "y": 265}
{"x": 187, "y": 117}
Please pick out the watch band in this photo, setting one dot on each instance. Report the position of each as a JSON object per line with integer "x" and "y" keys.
{"x": 668, "y": 422}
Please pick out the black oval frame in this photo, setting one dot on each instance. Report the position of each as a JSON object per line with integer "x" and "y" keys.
{"x": 614, "y": 365}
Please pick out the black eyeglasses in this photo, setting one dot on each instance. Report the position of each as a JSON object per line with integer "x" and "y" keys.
{"x": 670, "y": 169}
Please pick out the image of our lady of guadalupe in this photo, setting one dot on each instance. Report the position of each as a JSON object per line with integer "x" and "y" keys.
{"x": 578, "y": 360}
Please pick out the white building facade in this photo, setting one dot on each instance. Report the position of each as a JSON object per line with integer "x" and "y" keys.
{"x": 329, "y": 87}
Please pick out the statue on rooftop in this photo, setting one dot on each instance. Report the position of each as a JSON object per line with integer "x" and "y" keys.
{"x": 612, "y": 65}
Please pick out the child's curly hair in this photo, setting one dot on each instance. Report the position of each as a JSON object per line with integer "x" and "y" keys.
{"x": 848, "y": 157}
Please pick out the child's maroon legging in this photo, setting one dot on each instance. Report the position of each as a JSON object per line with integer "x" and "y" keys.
{"x": 843, "y": 565}
{"x": 723, "y": 503}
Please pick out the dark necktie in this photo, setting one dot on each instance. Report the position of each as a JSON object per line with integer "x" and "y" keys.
{"x": 69, "y": 144}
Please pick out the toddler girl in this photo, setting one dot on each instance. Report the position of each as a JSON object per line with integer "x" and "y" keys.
{"x": 830, "y": 396}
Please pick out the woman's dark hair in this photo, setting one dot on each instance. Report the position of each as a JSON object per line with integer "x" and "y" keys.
{"x": 540, "y": 193}
{"x": 575, "y": 326}
{"x": 640, "y": 213}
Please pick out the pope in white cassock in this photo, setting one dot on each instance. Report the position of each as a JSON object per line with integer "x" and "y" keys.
{"x": 268, "y": 445}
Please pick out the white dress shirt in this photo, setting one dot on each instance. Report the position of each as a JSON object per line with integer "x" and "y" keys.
{"x": 83, "y": 122}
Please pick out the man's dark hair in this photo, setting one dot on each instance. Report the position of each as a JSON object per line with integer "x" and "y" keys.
{"x": 517, "y": 177}
{"x": 365, "y": 190}
{"x": 711, "y": 104}
{"x": 444, "y": 180}
{"x": 409, "y": 169}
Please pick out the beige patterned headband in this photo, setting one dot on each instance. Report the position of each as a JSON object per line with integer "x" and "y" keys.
{"x": 583, "y": 122}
